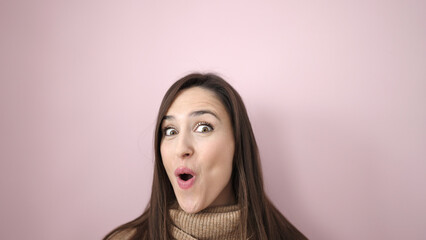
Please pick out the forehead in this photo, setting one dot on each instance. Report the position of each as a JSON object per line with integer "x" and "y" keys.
{"x": 196, "y": 98}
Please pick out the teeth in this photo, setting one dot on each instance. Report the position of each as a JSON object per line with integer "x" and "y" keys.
{"x": 185, "y": 176}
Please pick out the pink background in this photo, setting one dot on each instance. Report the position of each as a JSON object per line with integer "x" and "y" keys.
{"x": 336, "y": 92}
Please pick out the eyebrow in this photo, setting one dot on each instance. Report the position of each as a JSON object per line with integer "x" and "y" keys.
{"x": 194, "y": 114}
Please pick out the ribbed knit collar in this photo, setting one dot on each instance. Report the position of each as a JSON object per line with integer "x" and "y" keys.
{"x": 211, "y": 223}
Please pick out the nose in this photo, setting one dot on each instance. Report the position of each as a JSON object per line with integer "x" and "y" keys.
{"x": 185, "y": 147}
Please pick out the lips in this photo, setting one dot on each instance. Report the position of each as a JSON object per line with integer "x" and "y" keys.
{"x": 185, "y": 177}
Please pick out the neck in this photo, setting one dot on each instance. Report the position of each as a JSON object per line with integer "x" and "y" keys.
{"x": 226, "y": 197}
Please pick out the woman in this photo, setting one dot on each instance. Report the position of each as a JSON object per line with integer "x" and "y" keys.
{"x": 207, "y": 177}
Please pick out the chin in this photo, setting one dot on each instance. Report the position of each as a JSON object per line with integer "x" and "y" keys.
{"x": 190, "y": 210}
{"x": 190, "y": 207}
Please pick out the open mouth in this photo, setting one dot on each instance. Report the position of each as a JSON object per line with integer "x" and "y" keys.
{"x": 185, "y": 176}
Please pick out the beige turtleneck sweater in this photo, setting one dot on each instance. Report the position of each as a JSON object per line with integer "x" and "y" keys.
{"x": 214, "y": 223}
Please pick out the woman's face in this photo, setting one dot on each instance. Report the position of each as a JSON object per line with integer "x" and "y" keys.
{"x": 197, "y": 149}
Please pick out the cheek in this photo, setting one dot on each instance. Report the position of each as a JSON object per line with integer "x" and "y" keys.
{"x": 218, "y": 156}
{"x": 165, "y": 156}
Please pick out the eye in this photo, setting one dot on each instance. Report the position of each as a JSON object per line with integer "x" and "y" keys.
{"x": 170, "y": 131}
{"x": 203, "y": 127}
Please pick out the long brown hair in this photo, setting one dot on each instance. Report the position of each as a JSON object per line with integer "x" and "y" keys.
{"x": 260, "y": 219}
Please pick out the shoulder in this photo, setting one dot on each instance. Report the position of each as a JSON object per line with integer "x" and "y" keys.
{"x": 124, "y": 234}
